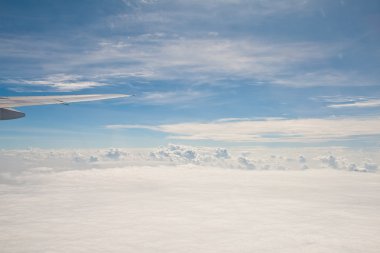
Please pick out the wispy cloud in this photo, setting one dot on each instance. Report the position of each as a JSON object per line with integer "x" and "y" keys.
{"x": 321, "y": 77}
{"x": 170, "y": 97}
{"x": 206, "y": 60}
{"x": 270, "y": 130}
{"x": 180, "y": 40}
{"x": 349, "y": 101}
{"x": 154, "y": 128}
{"x": 209, "y": 60}
{"x": 358, "y": 104}
{"x": 185, "y": 12}
{"x": 60, "y": 82}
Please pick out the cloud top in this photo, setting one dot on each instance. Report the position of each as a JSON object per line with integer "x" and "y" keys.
{"x": 40, "y": 160}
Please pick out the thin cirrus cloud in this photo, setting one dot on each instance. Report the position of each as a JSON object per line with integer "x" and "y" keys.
{"x": 201, "y": 60}
{"x": 174, "y": 13}
{"x": 170, "y": 97}
{"x": 358, "y": 104}
{"x": 163, "y": 40}
{"x": 209, "y": 60}
{"x": 348, "y": 101}
{"x": 60, "y": 82}
{"x": 270, "y": 130}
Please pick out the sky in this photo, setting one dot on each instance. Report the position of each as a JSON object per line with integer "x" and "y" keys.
{"x": 255, "y": 126}
{"x": 294, "y": 73}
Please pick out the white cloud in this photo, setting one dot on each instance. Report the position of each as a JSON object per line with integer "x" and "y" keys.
{"x": 154, "y": 48}
{"x": 202, "y": 60}
{"x": 159, "y": 12}
{"x": 222, "y": 153}
{"x": 337, "y": 99}
{"x": 154, "y": 128}
{"x": 271, "y": 130}
{"x": 173, "y": 155}
{"x": 246, "y": 163}
{"x": 61, "y": 82}
{"x": 358, "y": 104}
{"x": 170, "y": 97}
{"x": 199, "y": 60}
{"x": 330, "y": 161}
{"x": 188, "y": 208}
{"x": 321, "y": 77}
{"x": 302, "y": 159}
{"x": 210, "y": 59}
{"x": 343, "y": 163}
{"x": 370, "y": 166}
{"x": 114, "y": 154}
{"x": 348, "y": 101}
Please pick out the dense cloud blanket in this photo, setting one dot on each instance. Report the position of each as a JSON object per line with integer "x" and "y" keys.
{"x": 184, "y": 199}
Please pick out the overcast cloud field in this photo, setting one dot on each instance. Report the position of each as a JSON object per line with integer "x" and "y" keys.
{"x": 186, "y": 199}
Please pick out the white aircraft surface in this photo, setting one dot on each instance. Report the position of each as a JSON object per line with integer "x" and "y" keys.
{"x": 7, "y": 103}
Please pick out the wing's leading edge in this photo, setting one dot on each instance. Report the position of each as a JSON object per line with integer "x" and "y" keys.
{"x": 9, "y": 102}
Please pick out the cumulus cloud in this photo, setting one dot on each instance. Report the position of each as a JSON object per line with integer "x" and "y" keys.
{"x": 246, "y": 163}
{"x": 222, "y": 153}
{"x": 174, "y": 155}
{"x": 302, "y": 159}
{"x": 114, "y": 154}
{"x": 370, "y": 166}
{"x": 342, "y": 163}
{"x": 330, "y": 161}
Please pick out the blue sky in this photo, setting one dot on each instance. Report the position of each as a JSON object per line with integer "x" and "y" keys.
{"x": 229, "y": 72}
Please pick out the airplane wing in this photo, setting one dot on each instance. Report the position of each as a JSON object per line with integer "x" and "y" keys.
{"x": 6, "y": 103}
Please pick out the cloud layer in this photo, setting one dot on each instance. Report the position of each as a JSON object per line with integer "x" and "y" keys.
{"x": 174, "y": 155}
{"x": 205, "y": 42}
{"x": 189, "y": 204}
{"x": 206, "y": 60}
{"x": 181, "y": 198}
{"x": 60, "y": 82}
{"x": 269, "y": 130}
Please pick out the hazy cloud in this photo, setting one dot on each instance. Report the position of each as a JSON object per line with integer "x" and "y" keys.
{"x": 60, "y": 82}
{"x": 358, "y": 104}
{"x": 270, "y": 130}
{"x": 186, "y": 97}
{"x": 207, "y": 60}
{"x": 173, "y": 155}
{"x": 181, "y": 198}
{"x": 148, "y": 209}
